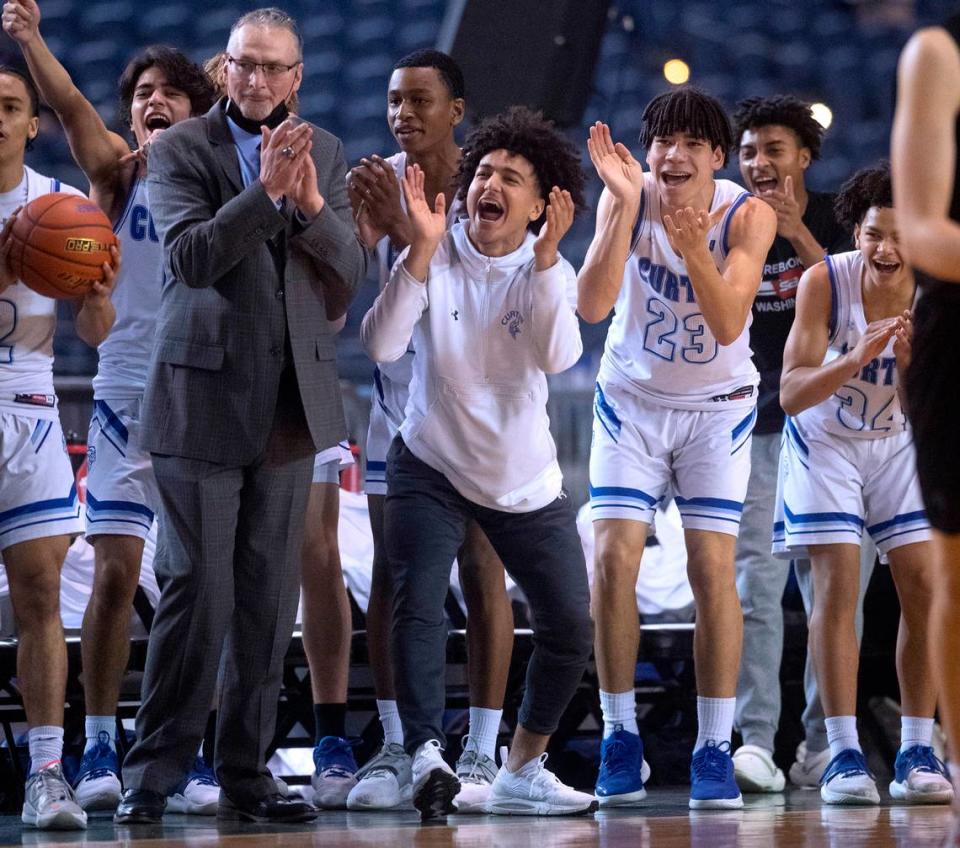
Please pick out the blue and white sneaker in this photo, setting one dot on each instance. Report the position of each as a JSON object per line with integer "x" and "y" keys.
{"x": 97, "y": 784}
{"x": 335, "y": 773}
{"x": 920, "y": 777}
{"x": 847, "y": 780}
{"x": 712, "y": 782}
{"x": 198, "y": 794}
{"x": 623, "y": 771}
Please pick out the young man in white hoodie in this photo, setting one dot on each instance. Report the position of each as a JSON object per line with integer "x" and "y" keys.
{"x": 489, "y": 306}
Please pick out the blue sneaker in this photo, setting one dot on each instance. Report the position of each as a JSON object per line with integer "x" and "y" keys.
{"x": 712, "y": 784}
{"x": 847, "y": 780}
{"x": 335, "y": 773}
{"x": 623, "y": 771}
{"x": 198, "y": 793}
{"x": 97, "y": 784}
{"x": 920, "y": 778}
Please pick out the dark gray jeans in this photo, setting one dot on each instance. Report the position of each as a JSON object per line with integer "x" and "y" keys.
{"x": 424, "y": 523}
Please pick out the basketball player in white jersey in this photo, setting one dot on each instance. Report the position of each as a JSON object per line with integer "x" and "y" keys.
{"x": 158, "y": 88}
{"x": 39, "y": 510}
{"x": 678, "y": 255}
{"x": 424, "y": 106}
{"x": 847, "y": 464}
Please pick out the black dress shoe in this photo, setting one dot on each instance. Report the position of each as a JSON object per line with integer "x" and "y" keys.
{"x": 140, "y": 806}
{"x": 272, "y": 808}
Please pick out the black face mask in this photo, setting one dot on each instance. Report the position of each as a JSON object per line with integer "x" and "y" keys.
{"x": 272, "y": 121}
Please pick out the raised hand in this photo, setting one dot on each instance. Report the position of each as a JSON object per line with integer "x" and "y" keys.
{"x": 687, "y": 228}
{"x": 21, "y": 20}
{"x": 620, "y": 172}
{"x": 559, "y": 218}
{"x": 426, "y": 226}
{"x": 787, "y": 207}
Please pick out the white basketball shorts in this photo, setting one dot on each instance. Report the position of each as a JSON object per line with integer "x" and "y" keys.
{"x": 328, "y": 463}
{"x": 122, "y": 493}
{"x": 830, "y": 489}
{"x": 38, "y": 492}
{"x": 642, "y": 452}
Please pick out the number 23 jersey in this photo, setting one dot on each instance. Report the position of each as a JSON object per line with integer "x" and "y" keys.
{"x": 659, "y": 344}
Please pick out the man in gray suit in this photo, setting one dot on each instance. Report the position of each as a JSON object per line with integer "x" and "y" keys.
{"x": 259, "y": 252}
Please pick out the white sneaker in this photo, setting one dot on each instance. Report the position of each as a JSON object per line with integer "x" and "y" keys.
{"x": 384, "y": 782}
{"x": 847, "y": 780}
{"x": 476, "y": 773}
{"x": 808, "y": 768}
{"x": 198, "y": 794}
{"x": 755, "y": 771}
{"x": 535, "y": 791}
{"x": 434, "y": 783}
{"x": 920, "y": 777}
{"x": 49, "y": 802}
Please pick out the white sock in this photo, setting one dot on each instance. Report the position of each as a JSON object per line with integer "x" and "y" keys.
{"x": 619, "y": 708}
{"x": 483, "y": 729}
{"x": 95, "y": 725}
{"x": 915, "y": 731}
{"x": 46, "y": 746}
{"x": 390, "y": 720}
{"x": 714, "y": 720}
{"x": 842, "y": 734}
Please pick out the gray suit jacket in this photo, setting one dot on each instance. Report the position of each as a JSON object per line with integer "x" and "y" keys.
{"x": 212, "y": 387}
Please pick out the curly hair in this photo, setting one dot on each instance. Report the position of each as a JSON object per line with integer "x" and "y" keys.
{"x": 525, "y": 133}
{"x": 867, "y": 188}
{"x": 687, "y": 109}
{"x": 180, "y": 72}
{"x": 785, "y": 110}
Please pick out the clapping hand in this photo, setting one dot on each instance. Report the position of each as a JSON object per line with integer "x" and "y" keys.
{"x": 621, "y": 173}
{"x": 375, "y": 194}
{"x": 903, "y": 341}
{"x": 687, "y": 228}
{"x": 787, "y": 207}
{"x": 559, "y": 218}
{"x": 280, "y": 158}
{"x": 426, "y": 226}
{"x": 21, "y": 20}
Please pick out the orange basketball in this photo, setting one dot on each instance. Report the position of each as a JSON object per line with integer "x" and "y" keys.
{"x": 59, "y": 244}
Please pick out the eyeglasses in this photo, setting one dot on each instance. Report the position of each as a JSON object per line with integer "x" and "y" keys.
{"x": 270, "y": 69}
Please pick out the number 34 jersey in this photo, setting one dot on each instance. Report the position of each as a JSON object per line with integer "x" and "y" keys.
{"x": 659, "y": 343}
{"x": 867, "y": 405}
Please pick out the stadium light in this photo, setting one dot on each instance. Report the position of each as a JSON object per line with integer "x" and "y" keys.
{"x": 676, "y": 71}
{"x": 822, "y": 114}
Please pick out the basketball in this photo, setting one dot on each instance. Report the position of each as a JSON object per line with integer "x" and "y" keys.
{"x": 59, "y": 243}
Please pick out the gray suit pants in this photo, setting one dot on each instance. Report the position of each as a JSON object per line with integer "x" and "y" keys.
{"x": 229, "y": 565}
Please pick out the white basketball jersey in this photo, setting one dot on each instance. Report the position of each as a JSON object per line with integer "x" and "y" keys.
{"x": 125, "y": 354}
{"x": 659, "y": 343}
{"x": 401, "y": 371}
{"x": 867, "y": 406}
{"x": 27, "y": 322}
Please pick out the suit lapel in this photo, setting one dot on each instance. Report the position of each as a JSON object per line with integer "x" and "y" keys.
{"x": 224, "y": 150}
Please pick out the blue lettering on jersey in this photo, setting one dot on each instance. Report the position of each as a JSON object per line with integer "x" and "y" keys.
{"x": 871, "y": 371}
{"x": 663, "y": 281}
{"x": 141, "y": 224}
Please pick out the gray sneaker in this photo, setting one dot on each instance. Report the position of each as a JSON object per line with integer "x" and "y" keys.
{"x": 49, "y": 802}
{"x": 476, "y": 773}
{"x": 384, "y": 782}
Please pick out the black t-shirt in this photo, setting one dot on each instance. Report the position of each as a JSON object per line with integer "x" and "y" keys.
{"x": 775, "y": 304}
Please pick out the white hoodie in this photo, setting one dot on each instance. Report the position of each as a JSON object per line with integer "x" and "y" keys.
{"x": 486, "y": 331}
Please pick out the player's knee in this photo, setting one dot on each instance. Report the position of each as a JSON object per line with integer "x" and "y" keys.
{"x": 616, "y": 568}
{"x": 37, "y": 598}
